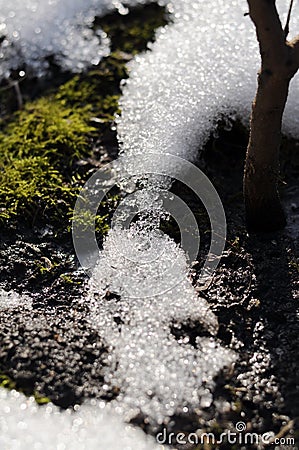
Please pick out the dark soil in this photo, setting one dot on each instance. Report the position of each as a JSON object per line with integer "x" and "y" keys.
{"x": 255, "y": 295}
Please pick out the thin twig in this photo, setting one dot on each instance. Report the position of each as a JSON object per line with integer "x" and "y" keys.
{"x": 287, "y": 26}
{"x": 284, "y": 430}
{"x": 19, "y": 95}
{"x": 16, "y": 86}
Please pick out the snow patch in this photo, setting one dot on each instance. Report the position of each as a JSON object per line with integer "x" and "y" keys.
{"x": 32, "y": 31}
{"x": 13, "y": 300}
{"x": 150, "y": 294}
{"x": 25, "y": 425}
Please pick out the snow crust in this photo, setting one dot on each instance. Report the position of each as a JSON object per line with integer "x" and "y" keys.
{"x": 158, "y": 374}
{"x": 24, "y": 425}
{"x": 34, "y": 30}
{"x": 11, "y": 300}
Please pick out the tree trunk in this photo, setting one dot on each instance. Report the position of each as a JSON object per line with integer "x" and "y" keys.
{"x": 263, "y": 208}
{"x": 280, "y": 62}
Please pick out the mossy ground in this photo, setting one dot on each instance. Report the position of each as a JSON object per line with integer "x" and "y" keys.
{"x": 64, "y": 132}
{"x": 49, "y": 147}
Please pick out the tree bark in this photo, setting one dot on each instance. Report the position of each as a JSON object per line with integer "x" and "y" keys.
{"x": 280, "y": 62}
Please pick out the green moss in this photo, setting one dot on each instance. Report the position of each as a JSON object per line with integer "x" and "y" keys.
{"x": 40, "y": 399}
{"x": 38, "y": 179}
{"x": 99, "y": 88}
{"x": 37, "y": 150}
{"x": 66, "y": 278}
{"x": 46, "y": 128}
{"x": 8, "y": 383}
{"x": 99, "y": 223}
{"x": 44, "y": 266}
{"x": 86, "y": 220}
{"x": 29, "y": 184}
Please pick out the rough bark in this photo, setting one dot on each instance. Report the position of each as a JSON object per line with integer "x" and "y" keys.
{"x": 280, "y": 62}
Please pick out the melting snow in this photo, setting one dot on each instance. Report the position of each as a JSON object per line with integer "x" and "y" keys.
{"x": 157, "y": 374}
{"x": 11, "y": 300}
{"x": 24, "y": 425}
{"x": 33, "y": 31}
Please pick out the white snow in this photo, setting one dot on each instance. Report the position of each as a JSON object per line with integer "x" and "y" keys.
{"x": 24, "y": 425}
{"x": 36, "y": 29}
{"x": 11, "y": 300}
{"x": 157, "y": 374}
